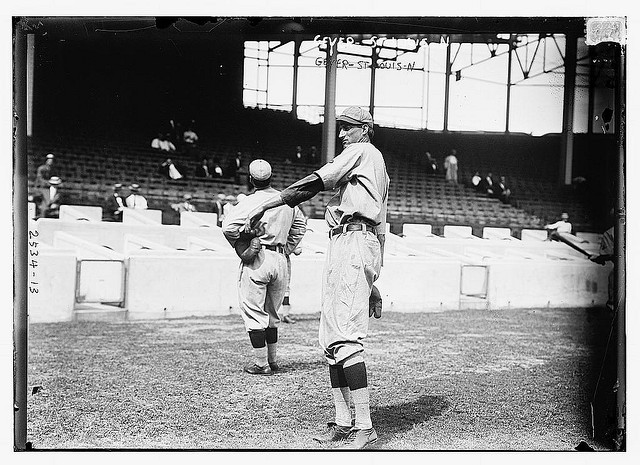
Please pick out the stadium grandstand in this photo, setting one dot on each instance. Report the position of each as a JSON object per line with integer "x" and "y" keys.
{"x": 100, "y": 90}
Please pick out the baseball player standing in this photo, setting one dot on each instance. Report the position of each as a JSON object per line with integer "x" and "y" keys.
{"x": 263, "y": 274}
{"x": 357, "y": 219}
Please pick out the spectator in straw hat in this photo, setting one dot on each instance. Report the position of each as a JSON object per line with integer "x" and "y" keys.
{"x": 135, "y": 199}
{"x": 185, "y": 205}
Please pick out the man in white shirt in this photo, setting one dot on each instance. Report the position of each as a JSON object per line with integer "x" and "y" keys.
{"x": 562, "y": 228}
{"x": 162, "y": 143}
{"x": 135, "y": 200}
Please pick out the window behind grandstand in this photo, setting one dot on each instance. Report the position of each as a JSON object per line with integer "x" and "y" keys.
{"x": 410, "y": 82}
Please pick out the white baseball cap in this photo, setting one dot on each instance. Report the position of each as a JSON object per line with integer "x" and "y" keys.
{"x": 260, "y": 170}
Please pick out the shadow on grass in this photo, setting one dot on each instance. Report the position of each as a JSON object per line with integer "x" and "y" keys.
{"x": 395, "y": 419}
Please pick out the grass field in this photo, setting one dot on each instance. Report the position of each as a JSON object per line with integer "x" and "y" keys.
{"x": 468, "y": 380}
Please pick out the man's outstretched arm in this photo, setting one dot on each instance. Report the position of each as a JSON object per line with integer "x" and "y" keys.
{"x": 293, "y": 195}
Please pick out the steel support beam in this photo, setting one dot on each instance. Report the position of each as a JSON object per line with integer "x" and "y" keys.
{"x": 447, "y": 75}
{"x": 329, "y": 126}
{"x": 510, "y": 62}
{"x": 372, "y": 91}
{"x": 294, "y": 97}
{"x": 566, "y": 151}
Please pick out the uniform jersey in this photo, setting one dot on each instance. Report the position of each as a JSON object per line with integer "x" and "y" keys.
{"x": 359, "y": 172}
{"x": 283, "y": 225}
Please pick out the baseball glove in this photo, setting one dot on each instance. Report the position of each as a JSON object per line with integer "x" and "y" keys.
{"x": 375, "y": 303}
{"x": 247, "y": 248}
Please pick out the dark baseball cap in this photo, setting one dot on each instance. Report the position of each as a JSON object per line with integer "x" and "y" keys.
{"x": 356, "y": 115}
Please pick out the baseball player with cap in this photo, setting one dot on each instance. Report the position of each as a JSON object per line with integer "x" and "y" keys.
{"x": 263, "y": 276}
{"x": 357, "y": 220}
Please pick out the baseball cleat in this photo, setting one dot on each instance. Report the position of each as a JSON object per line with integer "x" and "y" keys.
{"x": 333, "y": 433}
{"x": 360, "y": 438}
{"x": 255, "y": 369}
{"x": 274, "y": 366}
{"x": 288, "y": 319}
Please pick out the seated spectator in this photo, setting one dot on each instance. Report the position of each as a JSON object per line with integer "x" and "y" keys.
{"x": 202, "y": 170}
{"x": 298, "y": 158}
{"x": 135, "y": 199}
{"x": 313, "y": 155}
{"x": 45, "y": 172}
{"x": 162, "y": 143}
{"x": 190, "y": 140}
{"x": 217, "y": 171}
{"x": 185, "y": 205}
{"x": 501, "y": 191}
{"x": 476, "y": 181}
{"x": 170, "y": 170}
{"x": 51, "y": 198}
{"x": 486, "y": 185}
{"x": 432, "y": 164}
{"x": 114, "y": 204}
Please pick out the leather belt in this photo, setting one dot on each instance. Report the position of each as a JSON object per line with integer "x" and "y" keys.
{"x": 276, "y": 247}
{"x": 343, "y": 228}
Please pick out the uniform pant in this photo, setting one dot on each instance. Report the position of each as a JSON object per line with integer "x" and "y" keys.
{"x": 352, "y": 266}
{"x": 261, "y": 288}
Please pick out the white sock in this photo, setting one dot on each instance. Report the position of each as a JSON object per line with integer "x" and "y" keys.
{"x": 343, "y": 409}
{"x": 360, "y": 399}
{"x": 261, "y": 356}
{"x": 363, "y": 414}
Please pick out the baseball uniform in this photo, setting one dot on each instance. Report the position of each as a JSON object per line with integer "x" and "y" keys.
{"x": 262, "y": 284}
{"x": 354, "y": 257}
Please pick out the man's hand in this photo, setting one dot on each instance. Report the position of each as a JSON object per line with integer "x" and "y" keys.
{"x": 252, "y": 221}
{"x": 256, "y": 231}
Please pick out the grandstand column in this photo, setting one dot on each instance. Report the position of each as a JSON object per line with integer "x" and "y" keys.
{"x": 294, "y": 99}
{"x": 372, "y": 89}
{"x": 446, "y": 87}
{"x": 566, "y": 150}
{"x": 329, "y": 126}
{"x": 512, "y": 42}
